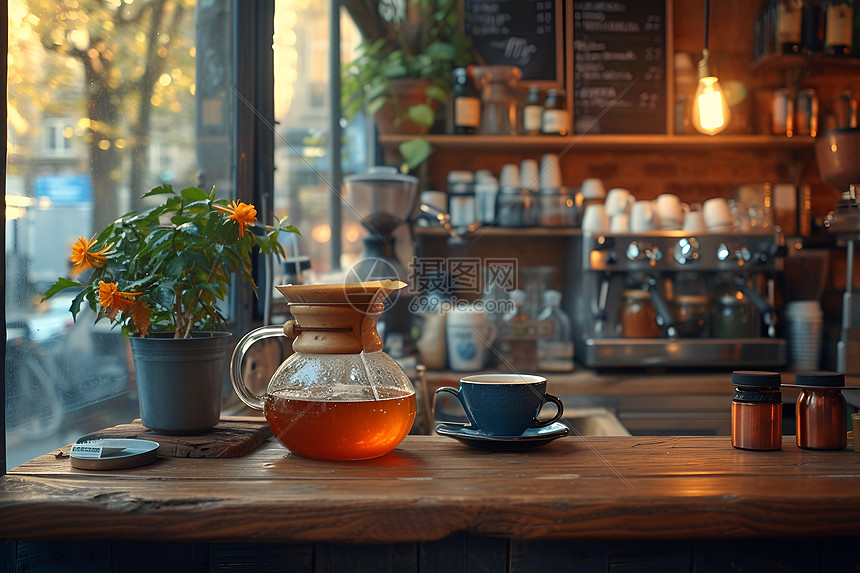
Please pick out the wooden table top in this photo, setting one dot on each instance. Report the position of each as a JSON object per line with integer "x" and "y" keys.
{"x": 431, "y": 486}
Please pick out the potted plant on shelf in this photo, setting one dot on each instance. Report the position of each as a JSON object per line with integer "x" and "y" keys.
{"x": 160, "y": 275}
{"x": 404, "y": 66}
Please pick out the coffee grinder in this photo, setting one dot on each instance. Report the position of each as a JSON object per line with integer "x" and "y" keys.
{"x": 383, "y": 198}
{"x": 838, "y": 155}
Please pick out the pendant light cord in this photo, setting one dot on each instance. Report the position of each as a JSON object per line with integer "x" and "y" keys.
{"x": 707, "y": 14}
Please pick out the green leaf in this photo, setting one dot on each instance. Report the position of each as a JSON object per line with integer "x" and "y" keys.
{"x": 103, "y": 236}
{"x": 60, "y": 285}
{"x": 189, "y": 227}
{"x": 415, "y": 151}
{"x": 437, "y": 93}
{"x": 75, "y": 307}
{"x": 175, "y": 266}
{"x": 442, "y": 51}
{"x": 163, "y": 189}
{"x": 395, "y": 70}
{"x": 194, "y": 194}
{"x": 421, "y": 114}
{"x": 376, "y": 90}
{"x": 374, "y": 106}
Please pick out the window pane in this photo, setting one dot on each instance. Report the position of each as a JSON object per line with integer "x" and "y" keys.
{"x": 104, "y": 104}
{"x": 302, "y": 163}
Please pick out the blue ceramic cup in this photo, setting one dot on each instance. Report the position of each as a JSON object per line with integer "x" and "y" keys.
{"x": 504, "y": 404}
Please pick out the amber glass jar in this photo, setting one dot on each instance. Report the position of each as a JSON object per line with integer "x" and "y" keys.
{"x": 734, "y": 318}
{"x": 692, "y": 316}
{"x": 757, "y": 411}
{"x": 637, "y": 316}
{"x": 822, "y": 416}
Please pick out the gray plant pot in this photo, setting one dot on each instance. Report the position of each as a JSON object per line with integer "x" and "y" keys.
{"x": 179, "y": 381}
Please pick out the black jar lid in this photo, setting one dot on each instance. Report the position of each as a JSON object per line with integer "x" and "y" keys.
{"x": 820, "y": 380}
{"x": 756, "y": 379}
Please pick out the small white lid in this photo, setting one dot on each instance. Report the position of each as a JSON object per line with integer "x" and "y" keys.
{"x": 483, "y": 175}
{"x": 490, "y": 185}
{"x": 461, "y": 176}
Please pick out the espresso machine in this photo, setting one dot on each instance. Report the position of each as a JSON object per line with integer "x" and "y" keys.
{"x": 676, "y": 299}
{"x": 838, "y": 155}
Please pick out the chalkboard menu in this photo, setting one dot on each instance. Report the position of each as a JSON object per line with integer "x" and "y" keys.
{"x": 619, "y": 66}
{"x": 524, "y": 33}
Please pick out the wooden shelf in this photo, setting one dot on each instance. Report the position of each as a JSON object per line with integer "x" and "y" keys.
{"x": 813, "y": 62}
{"x": 795, "y": 71}
{"x": 501, "y": 232}
{"x": 531, "y": 143}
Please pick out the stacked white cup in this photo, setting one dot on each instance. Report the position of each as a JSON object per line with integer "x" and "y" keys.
{"x": 670, "y": 211}
{"x": 509, "y": 178}
{"x": 529, "y": 174}
{"x": 805, "y": 326}
{"x": 550, "y": 172}
{"x": 718, "y": 215}
{"x": 643, "y": 217}
{"x": 618, "y": 204}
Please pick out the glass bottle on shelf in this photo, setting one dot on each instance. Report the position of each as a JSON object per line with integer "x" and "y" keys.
{"x": 466, "y": 103}
{"x": 533, "y": 113}
{"x": 461, "y": 202}
{"x": 555, "y": 352}
{"x": 555, "y": 119}
{"x": 515, "y": 321}
{"x": 838, "y": 27}
{"x": 789, "y": 26}
{"x": 812, "y": 27}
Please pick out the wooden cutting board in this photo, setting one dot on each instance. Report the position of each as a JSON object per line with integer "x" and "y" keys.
{"x": 230, "y": 438}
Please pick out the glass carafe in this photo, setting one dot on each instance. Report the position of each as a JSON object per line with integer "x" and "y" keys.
{"x": 500, "y": 98}
{"x": 339, "y": 396}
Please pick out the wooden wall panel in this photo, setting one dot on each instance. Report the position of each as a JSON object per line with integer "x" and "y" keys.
{"x": 464, "y": 554}
{"x": 346, "y": 558}
{"x": 133, "y": 557}
{"x": 460, "y": 553}
{"x": 559, "y": 555}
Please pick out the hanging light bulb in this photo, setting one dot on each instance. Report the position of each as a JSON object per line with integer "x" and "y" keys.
{"x": 710, "y": 107}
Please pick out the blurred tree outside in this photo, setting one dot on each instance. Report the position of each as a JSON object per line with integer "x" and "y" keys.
{"x": 135, "y": 67}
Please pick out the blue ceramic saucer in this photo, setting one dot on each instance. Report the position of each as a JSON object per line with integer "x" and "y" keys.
{"x": 529, "y": 440}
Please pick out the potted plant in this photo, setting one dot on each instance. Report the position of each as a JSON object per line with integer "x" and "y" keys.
{"x": 160, "y": 275}
{"x": 404, "y": 66}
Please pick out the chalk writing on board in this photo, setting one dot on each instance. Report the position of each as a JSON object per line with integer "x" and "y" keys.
{"x": 516, "y": 33}
{"x": 619, "y": 66}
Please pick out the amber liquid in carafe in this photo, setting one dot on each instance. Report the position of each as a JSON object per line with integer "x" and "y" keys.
{"x": 340, "y": 429}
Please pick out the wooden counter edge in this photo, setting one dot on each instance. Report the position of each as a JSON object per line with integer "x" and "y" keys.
{"x": 681, "y": 506}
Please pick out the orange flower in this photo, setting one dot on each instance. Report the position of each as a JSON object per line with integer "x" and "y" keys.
{"x": 242, "y": 213}
{"x": 83, "y": 259}
{"x": 140, "y": 316}
{"x": 114, "y": 300}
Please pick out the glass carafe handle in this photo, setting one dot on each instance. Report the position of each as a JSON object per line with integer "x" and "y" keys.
{"x": 248, "y": 397}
